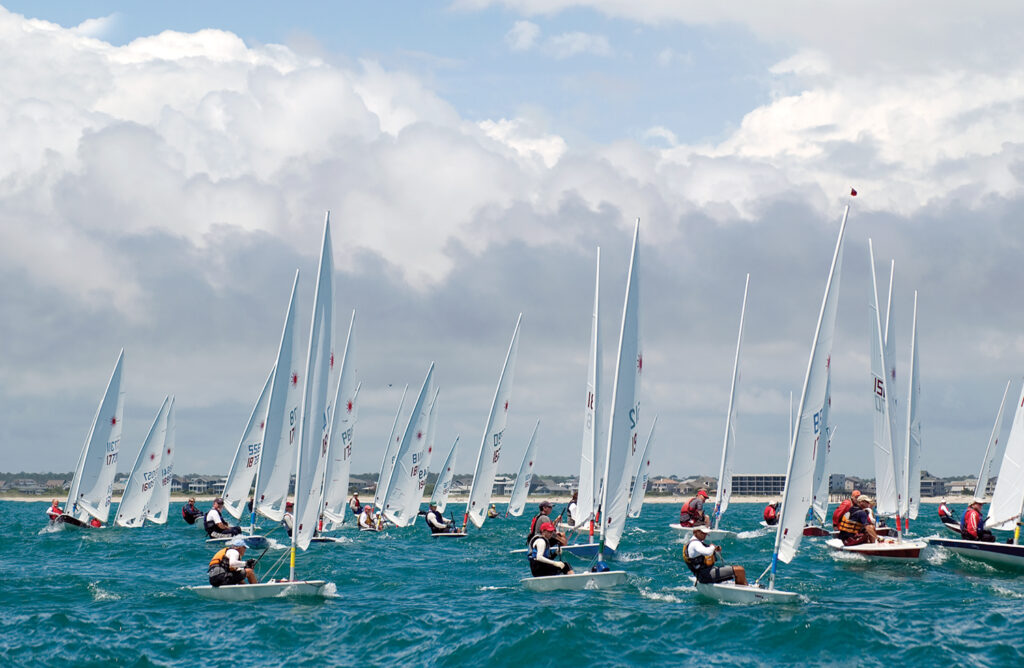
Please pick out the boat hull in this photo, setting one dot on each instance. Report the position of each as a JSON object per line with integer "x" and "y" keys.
{"x": 68, "y": 521}
{"x": 997, "y": 554}
{"x": 450, "y": 534}
{"x": 255, "y": 592}
{"x": 811, "y": 530}
{"x": 908, "y": 549}
{"x": 324, "y": 539}
{"x": 730, "y": 592}
{"x": 252, "y": 542}
{"x": 713, "y": 534}
{"x": 575, "y": 582}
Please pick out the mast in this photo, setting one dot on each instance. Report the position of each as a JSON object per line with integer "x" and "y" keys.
{"x": 993, "y": 442}
{"x": 796, "y": 496}
{"x": 725, "y": 470}
{"x": 586, "y": 501}
{"x": 912, "y": 463}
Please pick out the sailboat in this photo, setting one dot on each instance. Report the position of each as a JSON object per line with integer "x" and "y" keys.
{"x": 621, "y": 456}
{"x": 160, "y": 503}
{"x": 145, "y": 473}
{"x": 588, "y": 490}
{"x": 311, "y": 437}
{"x": 890, "y": 461}
{"x": 445, "y": 475}
{"x": 1007, "y": 505}
{"x": 820, "y": 482}
{"x": 642, "y": 477}
{"x": 402, "y": 500}
{"x": 517, "y": 501}
{"x": 93, "y": 482}
{"x": 343, "y": 425}
{"x": 804, "y": 450}
{"x": 490, "y": 445}
{"x": 725, "y": 471}
{"x": 387, "y": 465}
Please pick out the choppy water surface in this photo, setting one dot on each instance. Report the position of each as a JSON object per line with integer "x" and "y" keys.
{"x": 118, "y": 596}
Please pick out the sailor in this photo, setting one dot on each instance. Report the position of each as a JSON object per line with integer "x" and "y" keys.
{"x": 946, "y": 514}
{"x": 700, "y": 557}
{"x": 288, "y": 519}
{"x": 972, "y": 526}
{"x": 190, "y": 513}
{"x": 571, "y": 508}
{"x": 692, "y": 512}
{"x": 771, "y": 513}
{"x": 538, "y": 520}
{"x": 95, "y": 523}
{"x": 492, "y": 512}
{"x": 436, "y": 521}
{"x": 215, "y": 525}
{"x": 844, "y": 508}
{"x": 54, "y": 511}
{"x": 366, "y": 519}
{"x": 354, "y": 504}
{"x": 857, "y": 525}
{"x": 545, "y": 548}
{"x": 228, "y": 568}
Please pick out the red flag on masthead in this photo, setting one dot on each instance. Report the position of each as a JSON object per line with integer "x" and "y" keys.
{"x": 853, "y": 192}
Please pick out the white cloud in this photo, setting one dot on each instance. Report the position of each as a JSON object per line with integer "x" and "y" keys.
{"x": 98, "y": 27}
{"x": 572, "y": 44}
{"x": 522, "y": 36}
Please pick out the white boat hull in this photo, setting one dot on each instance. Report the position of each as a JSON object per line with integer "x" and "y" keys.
{"x": 999, "y": 554}
{"x": 450, "y": 534}
{"x": 324, "y": 539}
{"x": 908, "y": 549}
{"x": 730, "y": 592}
{"x": 255, "y": 592}
{"x": 575, "y": 582}
{"x": 713, "y": 534}
{"x": 252, "y": 542}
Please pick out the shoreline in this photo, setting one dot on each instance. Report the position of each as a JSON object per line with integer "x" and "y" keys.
{"x": 649, "y": 500}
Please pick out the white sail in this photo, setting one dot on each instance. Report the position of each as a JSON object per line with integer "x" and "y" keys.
{"x": 93, "y": 482}
{"x": 445, "y": 475}
{"x": 339, "y": 463}
{"x": 387, "y": 465}
{"x": 912, "y": 469}
{"x": 428, "y": 453}
{"x": 820, "y": 485}
{"x": 317, "y": 402}
{"x": 517, "y": 501}
{"x": 990, "y": 449}
{"x": 725, "y": 470}
{"x": 1008, "y": 496}
{"x": 490, "y": 444}
{"x": 885, "y": 456}
{"x": 586, "y": 497}
{"x": 807, "y": 436}
{"x": 643, "y": 475}
{"x": 895, "y": 413}
{"x": 622, "y": 452}
{"x": 281, "y": 426}
{"x": 403, "y": 489}
{"x": 143, "y": 479}
{"x": 247, "y": 456}
{"x": 160, "y": 502}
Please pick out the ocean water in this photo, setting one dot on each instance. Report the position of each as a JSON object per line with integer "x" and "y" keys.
{"x": 118, "y": 597}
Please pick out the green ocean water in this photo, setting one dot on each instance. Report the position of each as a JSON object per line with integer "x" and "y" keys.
{"x": 118, "y": 596}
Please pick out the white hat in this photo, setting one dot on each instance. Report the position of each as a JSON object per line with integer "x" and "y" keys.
{"x": 701, "y": 528}
{"x": 237, "y": 542}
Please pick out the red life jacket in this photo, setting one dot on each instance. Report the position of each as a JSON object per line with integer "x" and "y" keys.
{"x": 843, "y": 508}
{"x": 690, "y": 515}
{"x": 769, "y": 512}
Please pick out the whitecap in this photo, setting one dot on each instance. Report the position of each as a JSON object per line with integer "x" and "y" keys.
{"x": 755, "y": 533}
{"x": 329, "y": 590}
{"x": 1005, "y": 591}
{"x": 491, "y": 588}
{"x": 660, "y": 596}
{"x": 627, "y": 557}
{"x": 99, "y": 594}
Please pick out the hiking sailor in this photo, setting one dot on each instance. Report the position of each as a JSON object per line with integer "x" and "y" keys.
{"x": 436, "y": 521}
{"x": 700, "y": 558}
{"x": 215, "y": 525}
{"x": 857, "y": 526}
{"x": 972, "y": 526}
{"x": 692, "y": 512}
{"x": 190, "y": 513}
{"x": 545, "y": 548}
{"x": 228, "y": 568}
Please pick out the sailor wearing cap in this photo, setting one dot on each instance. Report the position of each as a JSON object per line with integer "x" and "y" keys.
{"x": 972, "y": 526}
{"x": 228, "y": 568}
{"x": 366, "y": 519}
{"x": 539, "y": 520}
{"x": 215, "y": 525}
{"x": 857, "y": 525}
{"x": 288, "y": 519}
{"x": 700, "y": 558}
{"x": 436, "y": 521}
{"x": 692, "y": 512}
{"x": 544, "y": 553}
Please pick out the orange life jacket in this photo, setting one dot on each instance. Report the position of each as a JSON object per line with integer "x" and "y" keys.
{"x": 846, "y": 525}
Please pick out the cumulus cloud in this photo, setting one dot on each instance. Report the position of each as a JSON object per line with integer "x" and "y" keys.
{"x": 523, "y": 36}
{"x": 572, "y": 44}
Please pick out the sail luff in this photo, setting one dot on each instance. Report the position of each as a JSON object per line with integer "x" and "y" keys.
{"x": 725, "y": 469}
{"x": 586, "y": 497}
{"x": 884, "y": 452}
{"x": 246, "y": 462}
{"x": 342, "y": 431}
{"x": 517, "y": 501}
{"x": 912, "y": 464}
{"x": 1004, "y": 511}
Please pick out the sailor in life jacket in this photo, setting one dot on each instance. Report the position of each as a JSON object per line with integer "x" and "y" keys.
{"x": 436, "y": 521}
{"x": 190, "y": 513}
{"x": 492, "y": 512}
{"x": 95, "y": 523}
{"x": 354, "y": 505}
{"x": 544, "y": 552}
{"x": 54, "y": 511}
{"x": 214, "y": 523}
{"x": 692, "y": 512}
{"x": 771, "y": 514}
{"x": 972, "y": 526}
{"x": 700, "y": 559}
{"x": 946, "y": 514}
{"x": 857, "y": 525}
{"x": 228, "y": 566}
{"x": 570, "y": 510}
{"x": 288, "y": 519}
{"x": 844, "y": 508}
{"x": 539, "y": 520}
{"x": 366, "y": 519}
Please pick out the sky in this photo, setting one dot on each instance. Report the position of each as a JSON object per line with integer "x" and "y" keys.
{"x": 166, "y": 168}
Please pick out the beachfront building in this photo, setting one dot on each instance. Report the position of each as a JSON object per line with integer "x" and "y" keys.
{"x": 932, "y": 486}
{"x": 758, "y": 484}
